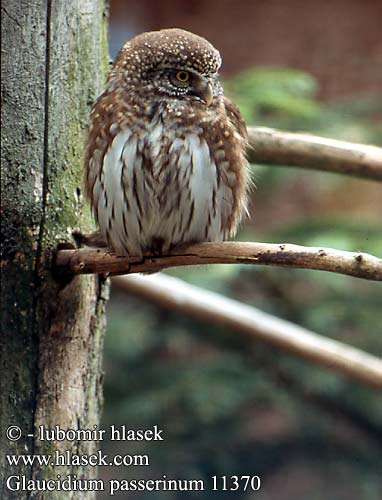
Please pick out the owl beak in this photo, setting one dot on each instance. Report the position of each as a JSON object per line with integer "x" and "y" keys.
{"x": 203, "y": 89}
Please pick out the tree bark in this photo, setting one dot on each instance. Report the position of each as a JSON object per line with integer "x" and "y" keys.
{"x": 53, "y": 66}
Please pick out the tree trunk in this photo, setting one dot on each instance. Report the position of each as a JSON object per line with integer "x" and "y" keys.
{"x": 53, "y": 67}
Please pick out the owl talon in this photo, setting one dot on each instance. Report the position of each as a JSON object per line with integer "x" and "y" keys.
{"x": 94, "y": 240}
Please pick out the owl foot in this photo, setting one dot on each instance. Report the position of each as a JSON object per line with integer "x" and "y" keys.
{"x": 94, "y": 240}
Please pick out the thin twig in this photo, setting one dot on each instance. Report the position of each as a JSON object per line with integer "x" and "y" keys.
{"x": 275, "y": 147}
{"x": 177, "y": 295}
{"x": 85, "y": 261}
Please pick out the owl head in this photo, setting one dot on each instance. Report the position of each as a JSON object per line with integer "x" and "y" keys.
{"x": 167, "y": 64}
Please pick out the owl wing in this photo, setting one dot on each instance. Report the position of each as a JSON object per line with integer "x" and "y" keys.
{"x": 235, "y": 117}
{"x": 235, "y": 150}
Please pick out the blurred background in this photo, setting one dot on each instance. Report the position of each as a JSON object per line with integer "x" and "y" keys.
{"x": 228, "y": 407}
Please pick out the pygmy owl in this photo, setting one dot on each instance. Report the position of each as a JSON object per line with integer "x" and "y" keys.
{"x": 165, "y": 163}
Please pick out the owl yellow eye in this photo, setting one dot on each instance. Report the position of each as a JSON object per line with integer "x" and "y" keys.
{"x": 183, "y": 76}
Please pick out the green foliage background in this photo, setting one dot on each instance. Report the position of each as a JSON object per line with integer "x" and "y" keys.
{"x": 228, "y": 406}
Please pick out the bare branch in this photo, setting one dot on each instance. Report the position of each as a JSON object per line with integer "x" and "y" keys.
{"x": 85, "y": 261}
{"x": 177, "y": 295}
{"x": 274, "y": 147}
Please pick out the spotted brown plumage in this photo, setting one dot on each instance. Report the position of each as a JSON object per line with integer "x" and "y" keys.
{"x": 165, "y": 163}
